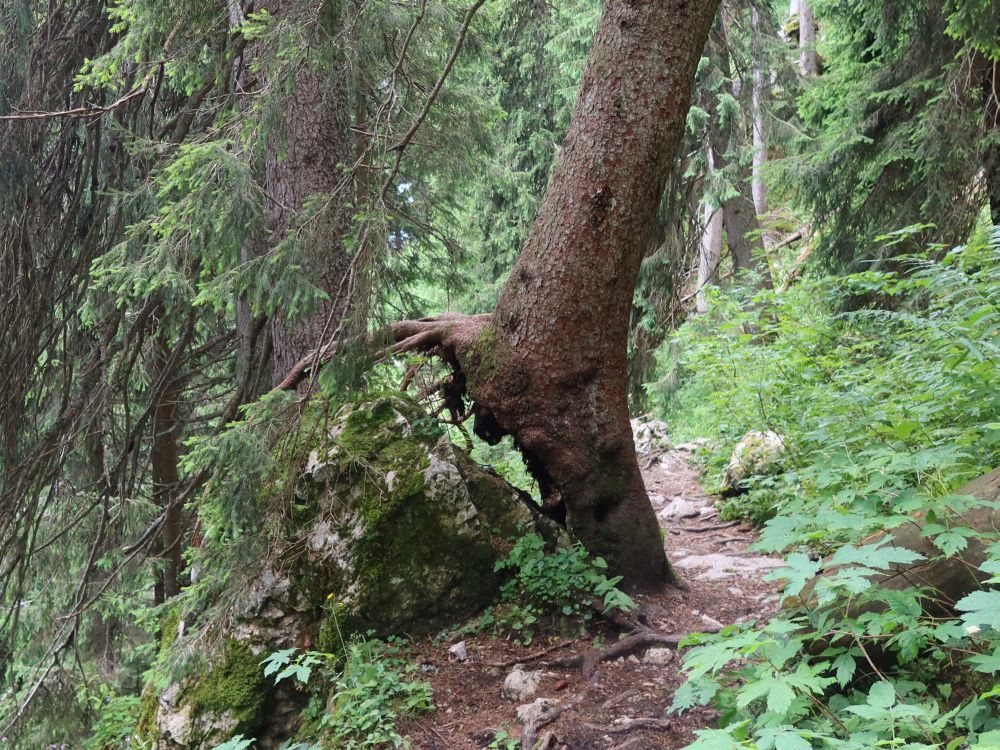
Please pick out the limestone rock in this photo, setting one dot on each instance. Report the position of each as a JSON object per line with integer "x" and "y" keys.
{"x": 520, "y": 685}
{"x": 388, "y": 527}
{"x": 651, "y": 436}
{"x": 459, "y": 651}
{"x": 757, "y": 453}
{"x": 680, "y": 508}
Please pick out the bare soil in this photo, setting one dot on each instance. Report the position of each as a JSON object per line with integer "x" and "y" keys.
{"x": 607, "y": 710}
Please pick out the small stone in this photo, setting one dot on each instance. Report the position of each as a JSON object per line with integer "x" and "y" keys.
{"x": 712, "y": 622}
{"x": 459, "y": 651}
{"x": 633, "y": 659}
{"x": 520, "y": 685}
{"x": 735, "y": 591}
{"x": 658, "y": 656}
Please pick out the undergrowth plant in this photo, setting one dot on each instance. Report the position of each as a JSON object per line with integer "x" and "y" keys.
{"x": 885, "y": 412}
{"x": 546, "y": 590}
{"x": 356, "y": 697}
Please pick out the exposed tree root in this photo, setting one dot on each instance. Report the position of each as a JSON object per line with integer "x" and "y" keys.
{"x": 587, "y": 663}
{"x": 531, "y": 728}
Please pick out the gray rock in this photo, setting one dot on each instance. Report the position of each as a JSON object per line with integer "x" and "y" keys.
{"x": 693, "y": 446}
{"x": 391, "y": 528}
{"x": 658, "y": 656}
{"x": 719, "y": 567}
{"x": 680, "y": 508}
{"x": 651, "y": 436}
{"x": 520, "y": 685}
{"x": 756, "y": 454}
{"x": 459, "y": 651}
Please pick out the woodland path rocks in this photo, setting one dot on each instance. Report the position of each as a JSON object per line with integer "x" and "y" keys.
{"x": 621, "y": 703}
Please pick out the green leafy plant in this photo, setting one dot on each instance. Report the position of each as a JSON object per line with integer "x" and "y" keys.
{"x": 885, "y": 412}
{"x": 566, "y": 584}
{"x": 359, "y": 695}
{"x": 116, "y": 717}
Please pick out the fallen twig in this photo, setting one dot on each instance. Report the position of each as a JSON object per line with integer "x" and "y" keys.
{"x": 529, "y": 657}
{"x": 614, "y": 701}
{"x": 629, "y": 725}
{"x": 712, "y": 527}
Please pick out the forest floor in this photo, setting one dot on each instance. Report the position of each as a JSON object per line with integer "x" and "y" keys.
{"x": 620, "y": 703}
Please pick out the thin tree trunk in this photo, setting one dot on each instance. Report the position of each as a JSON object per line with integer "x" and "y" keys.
{"x": 709, "y": 256}
{"x": 253, "y": 344}
{"x": 739, "y": 215}
{"x": 991, "y": 157}
{"x": 807, "y": 40}
{"x": 758, "y": 93}
{"x": 305, "y": 156}
{"x": 163, "y": 456}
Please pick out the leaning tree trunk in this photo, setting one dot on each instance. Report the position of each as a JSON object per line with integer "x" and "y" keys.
{"x": 305, "y": 158}
{"x": 549, "y": 365}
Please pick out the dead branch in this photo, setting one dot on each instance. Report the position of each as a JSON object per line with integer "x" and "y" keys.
{"x": 796, "y": 268}
{"x": 80, "y": 111}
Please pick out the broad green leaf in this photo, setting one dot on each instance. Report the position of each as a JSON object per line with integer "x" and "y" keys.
{"x": 882, "y": 695}
{"x": 981, "y": 608}
{"x": 779, "y": 698}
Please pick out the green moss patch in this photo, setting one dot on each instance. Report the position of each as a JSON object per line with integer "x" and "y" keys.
{"x": 236, "y": 684}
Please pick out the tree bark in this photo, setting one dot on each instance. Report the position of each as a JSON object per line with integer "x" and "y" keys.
{"x": 549, "y": 365}
{"x": 305, "y": 157}
{"x": 758, "y": 94}
{"x": 163, "y": 457}
{"x": 807, "y": 40}
{"x": 739, "y": 215}
{"x": 991, "y": 155}
{"x": 709, "y": 256}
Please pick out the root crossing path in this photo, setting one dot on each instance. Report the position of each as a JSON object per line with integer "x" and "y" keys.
{"x": 606, "y": 690}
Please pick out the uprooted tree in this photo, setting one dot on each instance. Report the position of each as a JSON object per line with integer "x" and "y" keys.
{"x": 548, "y": 366}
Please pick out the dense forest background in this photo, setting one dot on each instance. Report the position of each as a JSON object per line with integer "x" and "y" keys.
{"x": 198, "y": 198}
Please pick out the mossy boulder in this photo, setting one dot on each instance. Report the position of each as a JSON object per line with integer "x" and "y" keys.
{"x": 391, "y": 529}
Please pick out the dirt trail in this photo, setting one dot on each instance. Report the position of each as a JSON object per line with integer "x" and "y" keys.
{"x": 623, "y": 704}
